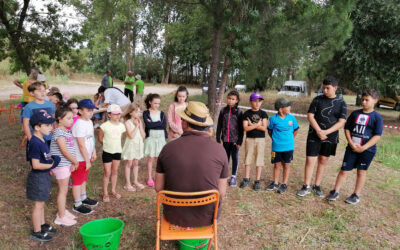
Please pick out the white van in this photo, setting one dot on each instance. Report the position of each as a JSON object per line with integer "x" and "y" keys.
{"x": 294, "y": 88}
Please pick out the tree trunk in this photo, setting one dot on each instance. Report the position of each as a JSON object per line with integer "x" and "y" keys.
{"x": 128, "y": 58}
{"x": 212, "y": 82}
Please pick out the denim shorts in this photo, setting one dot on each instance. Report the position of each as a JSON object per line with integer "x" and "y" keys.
{"x": 38, "y": 186}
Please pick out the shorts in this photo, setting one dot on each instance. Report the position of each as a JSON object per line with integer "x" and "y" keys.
{"x": 38, "y": 186}
{"x": 352, "y": 160}
{"x": 285, "y": 157}
{"x": 62, "y": 172}
{"x": 255, "y": 151}
{"x": 80, "y": 175}
{"x": 107, "y": 157}
{"x": 315, "y": 148}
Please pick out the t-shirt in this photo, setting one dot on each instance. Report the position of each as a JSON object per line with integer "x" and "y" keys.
{"x": 282, "y": 132}
{"x": 140, "y": 86}
{"x": 69, "y": 142}
{"x": 130, "y": 79}
{"x": 363, "y": 126}
{"x": 39, "y": 150}
{"x": 255, "y": 116}
{"x": 115, "y": 96}
{"x": 110, "y": 81}
{"x": 27, "y": 96}
{"x": 33, "y": 108}
{"x": 83, "y": 129}
{"x": 188, "y": 169}
{"x": 327, "y": 112}
{"x": 112, "y": 137}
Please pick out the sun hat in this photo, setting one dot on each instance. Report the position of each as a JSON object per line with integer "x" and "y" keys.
{"x": 256, "y": 96}
{"x": 86, "y": 103}
{"x": 138, "y": 77}
{"x": 41, "y": 117}
{"x": 114, "y": 109}
{"x": 196, "y": 113}
{"x": 282, "y": 103}
{"x": 41, "y": 78}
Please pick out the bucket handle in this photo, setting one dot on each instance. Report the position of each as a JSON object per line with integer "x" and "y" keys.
{"x": 101, "y": 246}
{"x": 202, "y": 245}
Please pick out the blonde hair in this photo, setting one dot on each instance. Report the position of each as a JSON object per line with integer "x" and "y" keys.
{"x": 132, "y": 107}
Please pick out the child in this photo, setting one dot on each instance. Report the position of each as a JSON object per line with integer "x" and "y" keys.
{"x": 363, "y": 130}
{"x": 73, "y": 105}
{"x": 110, "y": 134}
{"x": 255, "y": 124}
{"x": 174, "y": 120}
{"x": 39, "y": 179}
{"x": 97, "y": 100}
{"x": 326, "y": 114}
{"x": 56, "y": 99}
{"x": 37, "y": 90}
{"x": 282, "y": 129}
{"x": 132, "y": 151}
{"x": 62, "y": 144}
{"x": 84, "y": 142}
{"x": 156, "y": 132}
{"x": 230, "y": 131}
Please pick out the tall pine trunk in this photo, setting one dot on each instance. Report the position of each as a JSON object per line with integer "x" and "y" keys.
{"x": 212, "y": 82}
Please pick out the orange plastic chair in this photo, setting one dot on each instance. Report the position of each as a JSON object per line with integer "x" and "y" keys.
{"x": 6, "y": 111}
{"x": 168, "y": 231}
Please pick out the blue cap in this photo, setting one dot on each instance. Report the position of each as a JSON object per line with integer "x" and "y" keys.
{"x": 86, "y": 103}
{"x": 41, "y": 117}
{"x": 256, "y": 96}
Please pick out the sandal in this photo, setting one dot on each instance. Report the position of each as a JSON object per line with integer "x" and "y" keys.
{"x": 130, "y": 188}
{"x": 139, "y": 186}
{"x": 150, "y": 183}
{"x": 106, "y": 198}
{"x": 116, "y": 195}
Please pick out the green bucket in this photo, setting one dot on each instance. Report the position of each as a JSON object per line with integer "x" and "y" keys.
{"x": 102, "y": 233}
{"x": 193, "y": 244}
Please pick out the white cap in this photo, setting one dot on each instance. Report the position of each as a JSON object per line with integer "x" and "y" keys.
{"x": 41, "y": 78}
{"x": 114, "y": 109}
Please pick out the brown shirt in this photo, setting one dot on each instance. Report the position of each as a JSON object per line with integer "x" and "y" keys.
{"x": 192, "y": 163}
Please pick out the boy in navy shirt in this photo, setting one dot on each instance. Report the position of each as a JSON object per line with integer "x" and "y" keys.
{"x": 282, "y": 129}
{"x": 363, "y": 130}
{"x": 39, "y": 179}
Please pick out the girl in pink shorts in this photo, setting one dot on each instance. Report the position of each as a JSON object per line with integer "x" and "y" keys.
{"x": 62, "y": 144}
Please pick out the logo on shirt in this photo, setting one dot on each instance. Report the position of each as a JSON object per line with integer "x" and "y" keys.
{"x": 45, "y": 114}
{"x": 47, "y": 156}
{"x": 361, "y": 123}
{"x": 290, "y": 123}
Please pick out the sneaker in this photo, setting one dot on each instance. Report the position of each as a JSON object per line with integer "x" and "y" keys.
{"x": 82, "y": 209}
{"x": 150, "y": 183}
{"x": 353, "y": 199}
{"x": 282, "y": 188}
{"x": 305, "y": 190}
{"x": 48, "y": 229}
{"x": 257, "y": 186}
{"x": 245, "y": 183}
{"x": 333, "y": 195}
{"x": 317, "y": 191}
{"x": 232, "y": 182}
{"x": 273, "y": 186}
{"x": 40, "y": 236}
{"x": 90, "y": 202}
{"x": 64, "y": 221}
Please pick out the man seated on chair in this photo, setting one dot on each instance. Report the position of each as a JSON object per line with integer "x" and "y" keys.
{"x": 192, "y": 163}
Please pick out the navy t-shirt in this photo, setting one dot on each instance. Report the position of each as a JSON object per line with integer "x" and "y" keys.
{"x": 255, "y": 116}
{"x": 363, "y": 126}
{"x": 39, "y": 150}
{"x": 327, "y": 112}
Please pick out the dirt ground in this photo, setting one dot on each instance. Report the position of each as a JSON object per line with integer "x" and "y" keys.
{"x": 250, "y": 220}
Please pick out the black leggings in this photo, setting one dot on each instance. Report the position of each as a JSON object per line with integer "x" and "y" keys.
{"x": 232, "y": 150}
{"x": 129, "y": 93}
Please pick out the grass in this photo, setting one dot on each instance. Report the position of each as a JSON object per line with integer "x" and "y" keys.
{"x": 389, "y": 151}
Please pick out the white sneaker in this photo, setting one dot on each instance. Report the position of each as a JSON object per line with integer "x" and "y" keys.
{"x": 69, "y": 214}
{"x": 65, "y": 221}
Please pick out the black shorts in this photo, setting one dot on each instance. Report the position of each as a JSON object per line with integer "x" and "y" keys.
{"x": 353, "y": 160}
{"x": 107, "y": 157}
{"x": 38, "y": 186}
{"x": 285, "y": 157}
{"x": 317, "y": 147}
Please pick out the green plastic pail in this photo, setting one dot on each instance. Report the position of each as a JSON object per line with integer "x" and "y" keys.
{"x": 193, "y": 244}
{"x": 102, "y": 233}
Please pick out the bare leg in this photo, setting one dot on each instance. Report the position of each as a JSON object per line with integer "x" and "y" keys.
{"x": 114, "y": 175}
{"x": 62, "y": 196}
{"x": 309, "y": 169}
{"x": 149, "y": 168}
{"x": 277, "y": 171}
{"x": 136, "y": 172}
{"x": 361, "y": 177}
{"x": 258, "y": 173}
{"x": 322, "y": 161}
{"x": 340, "y": 179}
{"x": 76, "y": 192}
{"x": 128, "y": 165}
{"x": 38, "y": 215}
{"x": 106, "y": 177}
{"x": 286, "y": 173}
{"x": 247, "y": 171}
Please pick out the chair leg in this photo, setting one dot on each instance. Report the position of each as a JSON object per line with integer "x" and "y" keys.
{"x": 209, "y": 244}
{"x": 158, "y": 235}
{"x": 216, "y": 242}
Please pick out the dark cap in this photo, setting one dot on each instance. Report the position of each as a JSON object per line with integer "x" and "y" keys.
{"x": 41, "y": 117}
{"x": 256, "y": 96}
{"x": 86, "y": 103}
{"x": 282, "y": 103}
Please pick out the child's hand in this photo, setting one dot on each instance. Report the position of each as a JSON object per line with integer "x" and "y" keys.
{"x": 93, "y": 158}
{"x": 88, "y": 165}
{"x": 136, "y": 122}
{"x": 322, "y": 135}
{"x": 237, "y": 146}
{"x": 248, "y": 119}
{"x": 74, "y": 166}
{"x": 358, "y": 149}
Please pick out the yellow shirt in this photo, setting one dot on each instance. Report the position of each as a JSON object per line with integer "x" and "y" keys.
{"x": 27, "y": 96}
{"x": 112, "y": 137}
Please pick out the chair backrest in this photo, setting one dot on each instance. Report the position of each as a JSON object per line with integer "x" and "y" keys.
{"x": 208, "y": 197}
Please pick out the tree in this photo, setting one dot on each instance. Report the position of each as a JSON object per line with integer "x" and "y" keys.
{"x": 29, "y": 35}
